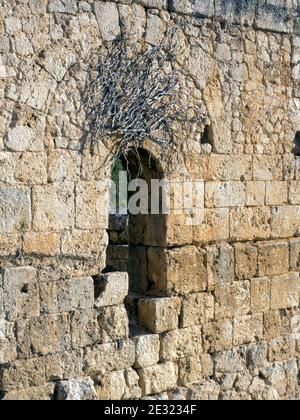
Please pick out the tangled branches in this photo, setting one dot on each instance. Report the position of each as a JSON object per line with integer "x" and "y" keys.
{"x": 134, "y": 97}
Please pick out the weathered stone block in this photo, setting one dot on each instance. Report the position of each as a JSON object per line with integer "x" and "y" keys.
{"x": 22, "y": 374}
{"x": 23, "y": 139}
{"x": 246, "y": 256}
{"x": 63, "y": 165}
{"x": 260, "y": 295}
{"x": 232, "y": 299}
{"x": 195, "y": 7}
{"x": 53, "y": 207}
{"x": 276, "y": 193}
{"x": 295, "y": 254}
{"x": 44, "y": 335}
{"x": 76, "y": 390}
{"x": 63, "y": 366}
{"x": 107, "y": 15}
{"x": 197, "y": 308}
{"x": 155, "y": 29}
{"x": 113, "y": 323}
{"x": 276, "y": 324}
{"x": 160, "y": 314}
{"x": 274, "y": 15}
{"x": 239, "y": 11}
{"x": 147, "y": 350}
{"x": 46, "y": 244}
{"x": 159, "y": 378}
{"x": 281, "y": 349}
{"x": 8, "y": 343}
{"x": 109, "y": 357}
{"x": 111, "y": 289}
{"x": 91, "y": 205}
{"x": 231, "y": 361}
{"x": 39, "y": 393}
{"x": 218, "y": 335}
{"x": 190, "y": 371}
{"x": 83, "y": 243}
{"x": 20, "y": 293}
{"x": 273, "y": 258}
{"x": 285, "y": 221}
{"x": 285, "y": 291}
{"x": 267, "y": 168}
{"x": 75, "y": 294}
{"x": 15, "y": 210}
{"x": 230, "y": 167}
{"x": 294, "y": 192}
{"x": 255, "y": 193}
{"x": 220, "y": 262}
{"x": 9, "y": 245}
{"x": 250, "y": 223}
{"x": 186, "y": 342}
{"x": 225, "y": 194}
{"x": 247, "y": 329}
{"x": 214, "y": 228}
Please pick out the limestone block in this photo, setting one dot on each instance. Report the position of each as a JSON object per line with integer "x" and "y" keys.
{"x": 276, "y": 324}
{"x": 273, "y": 258}
{"x": 218, "y": 335}
{"x": 75, "y": 294}
{"x": 190, "y": 371}
{"x": 285, "y": 291}
{"x": 22, "y": 374}
{"x": 21, "y": 297}
{"x": 285, "y": 221}
{"x": 113, "y": 323}
{"x": 63, "y": 366}
{"x": 9, "y": 245}
{"x": 23, "y": 139}
{"x": 111, "y": 289}
{"x": 225, "y": 194}
{"x": 53, "y": 207}
{"x": 232, "y": 299}
{"x": 32, "y": 168}
{"x": 220, "y": 262}
{"x": 250, "y": 223}
{"x": 274, "y": 15}
{"x": 197, "y": 308}
{"x": 294, "y": 192}
{"x": 48, "y": 297}
{"x": 13, "y": 25}
{"x": 159, "y": 378}
{"x": 195, "y": 7}
{"x": 159, "y": 314}
{"x": 214, "y": 228}
{"x": 186, "y": 342}
{"x": 8, "y": 165}
{"x": 276, "y": 193}
{"x": 46, "y": 244}
{"x": 260, "y": 295}
{"x": 154, "y": 4}
{"x": 44, "y": 335}
{"x": 281, "y": 349}
{"x": 8, "y": 344}
{"x": 155, "y": 29}
{"x": 39, "y": 393}
{"x": 76, "y": 390}
{"x": 91, "y": 205}
{"x": 83, "y": 243}
{"x": 209, "y": 391}
{"x": 295, "y": 254}
{"x": 255, "y": 193}
{"x": 66, "y": 6}
{"x": 85, "y": 329}
{"x": 180, "y": 269}
{"x": 147, "y": 350}
{"x": 15, "y": 210}
{"x": 231, "y": 361}
{"x": 239, "y": 11}
{"x": 247, "y": 329}
{"x": 257, "y": 356}
{"x": 107, "y": 15}
{"x": 109, "y": 357}
{"x": 246, "y": 257}
{"x": 120, "y": 385}
{"x": 230, "y": 168}
{"x": 267, "y": 168}
{"x": 63, "y": 165}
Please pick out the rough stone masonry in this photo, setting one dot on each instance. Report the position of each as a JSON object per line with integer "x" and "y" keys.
{"x": 222, "y": 319}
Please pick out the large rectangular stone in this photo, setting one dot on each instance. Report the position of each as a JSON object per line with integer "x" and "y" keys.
{"x": 159, "y": 315}
{"x": 225, "y": 194}
{"x": 147, "y": 350}
{"x": 15, "y": 210}
{"x": 92, "y": 199}
{"x": 218, "y": 336}
{"x": 285, "y": 221}
{"x": 232, "y": 299}
{"x": 159, "y": 378}
{"x": 267, "y": 168}
{"x": 238, "y": 11}
{"x": 273, "y": 258}
{"x": 195, "y": 7}
{"x": 220, "y": 264}
{"x": 295, "y": 255}
{"x": 107, "y": 15}
{"x": 186, "y": 342}
{"x": 276, "y": 193}
{"x": 230, "y": 167}
{"x": 111, "y": 289}
{"x": 248, "y": 329}
{"x": 274, "y": 15}
{"x": 75, "y": 294}
{"x": 20, "y": 293}
{"x": 285, "y": 291}
{"x": 250, "y": 223}
{"x": 22, "y": 374}
{"x": 53, "y": 207}
{"x": 246, "y": 257}
{"x": 260, "y": 295}
{"x": 214, "y": 228}
{"x": 197, "y": 308}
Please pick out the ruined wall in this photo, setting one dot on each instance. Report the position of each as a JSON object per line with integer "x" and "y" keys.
{"x": 224, "y": 322}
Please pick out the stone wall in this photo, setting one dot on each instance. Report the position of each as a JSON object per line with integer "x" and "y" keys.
{"x": 222, "y": 320}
